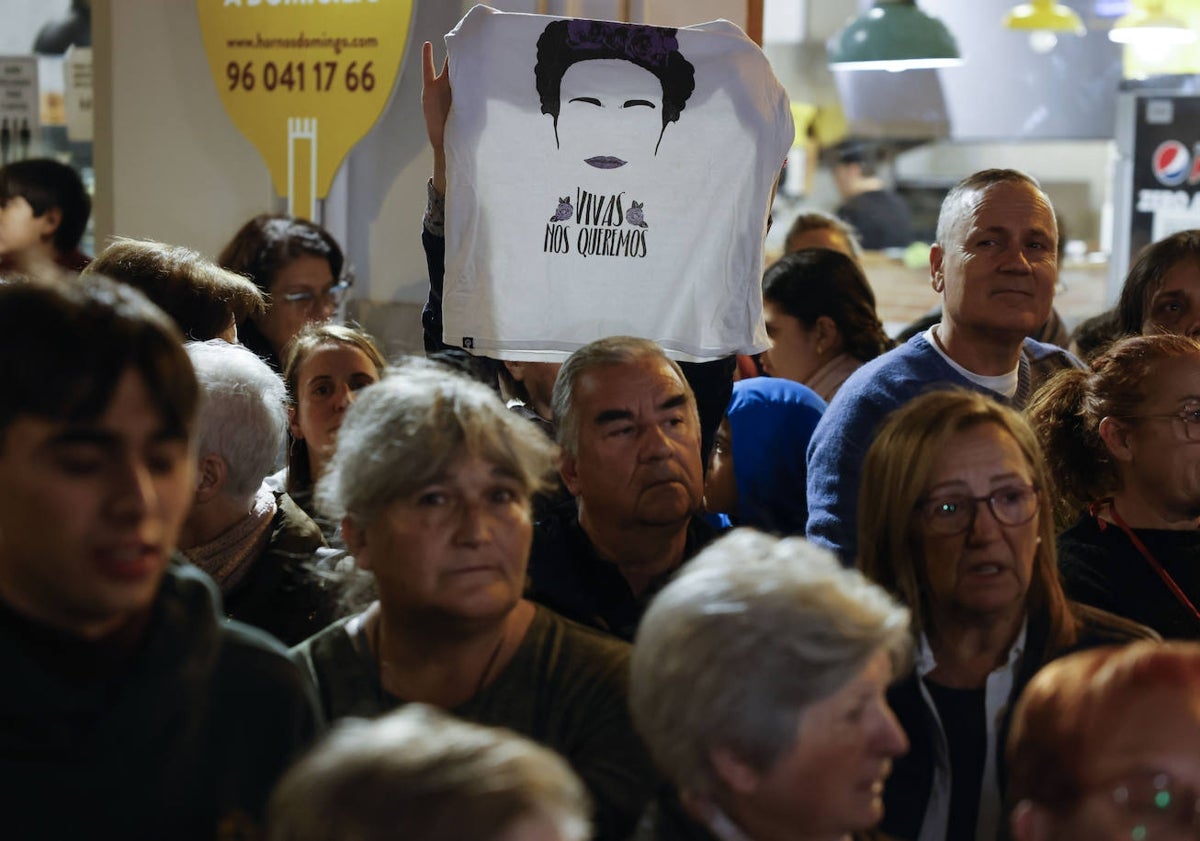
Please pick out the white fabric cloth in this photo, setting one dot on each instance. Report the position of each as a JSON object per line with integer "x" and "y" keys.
{"x": 996, "y": 694}
{"x": 1005, "y": 384}
{"x": 602, "y": 221}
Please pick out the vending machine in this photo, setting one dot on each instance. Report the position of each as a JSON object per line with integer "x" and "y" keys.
{"x": 1156, "y": 180}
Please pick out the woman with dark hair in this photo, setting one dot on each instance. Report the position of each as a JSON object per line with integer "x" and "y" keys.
{"x": 1123, "y": 445}
{"x": 326, "y": 366}
{"x": 955, "y": 520}
{"x": 1162, "y": 290}
{"x": 821, "y": 319}
{"x": 299, "y": 265}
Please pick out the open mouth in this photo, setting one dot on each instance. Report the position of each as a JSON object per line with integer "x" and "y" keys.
{"x": 605, "y": 162}
{"x": 127, "y": 561}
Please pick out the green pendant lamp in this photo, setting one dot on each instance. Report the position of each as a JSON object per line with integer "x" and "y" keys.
{"x": 894, "y": 35}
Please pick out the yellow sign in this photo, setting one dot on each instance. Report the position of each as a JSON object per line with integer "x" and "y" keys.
{"x": 304, "y": 80}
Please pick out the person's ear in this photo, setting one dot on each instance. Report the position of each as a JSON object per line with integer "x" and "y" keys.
{"x": 356, "y": 542}
{"x": 294, "y": 424}
{"x": 1115, "y": 436}
{"x": 569, "y": 469}
{"x": 733, "y": 771}
{"x": 936, "y": 277}
{"x": 516, "y": 370}
{"x": 211, "y": 473}
{"x": 827, "y": 333}
{"x": 1031, "y": 822}
{"x": 50, "y": 220}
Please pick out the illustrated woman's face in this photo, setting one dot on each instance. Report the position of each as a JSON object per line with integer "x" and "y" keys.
{"x": 610, "y": 114}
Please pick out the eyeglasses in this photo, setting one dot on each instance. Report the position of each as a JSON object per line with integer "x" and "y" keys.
{"x": 334, "y": 295}
{"x": 1190, "y": 418}
{"x": 955, "y": 513}
{"x": 1156, "y": 806}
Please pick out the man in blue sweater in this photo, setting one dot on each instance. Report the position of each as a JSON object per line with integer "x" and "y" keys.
{"x": 994, "y": 264}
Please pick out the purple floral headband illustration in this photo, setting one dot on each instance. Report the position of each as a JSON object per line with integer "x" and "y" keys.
{"x": 565, "y": 43}
{"x": 649, "y": 46}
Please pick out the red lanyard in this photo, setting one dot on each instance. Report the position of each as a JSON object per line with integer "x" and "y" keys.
{"x": 1180, "y": 596}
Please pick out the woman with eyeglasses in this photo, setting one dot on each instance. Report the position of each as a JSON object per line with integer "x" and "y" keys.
{"x": 1123, "y": 442}
{"x": 300, "y": 267}
{"x": 955, "y": 521}
{"x": 1105, "y": 746}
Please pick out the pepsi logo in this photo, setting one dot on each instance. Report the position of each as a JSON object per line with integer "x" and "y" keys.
{"x": 1171, "y": 163}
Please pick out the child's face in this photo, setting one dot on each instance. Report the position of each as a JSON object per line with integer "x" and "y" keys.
{"x": 20, "y": 230}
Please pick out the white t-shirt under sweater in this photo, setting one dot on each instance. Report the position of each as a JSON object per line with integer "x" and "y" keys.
{"x": 1005, "y": 384}
{"x": 605, "y": 179}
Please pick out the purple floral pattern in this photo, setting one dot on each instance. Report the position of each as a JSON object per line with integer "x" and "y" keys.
{"x": 647, "y": 45}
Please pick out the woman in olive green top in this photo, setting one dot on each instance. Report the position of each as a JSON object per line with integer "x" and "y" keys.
{"x": 432, "y": 477}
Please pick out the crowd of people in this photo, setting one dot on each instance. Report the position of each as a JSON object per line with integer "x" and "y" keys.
{"x": 257, "y": 580}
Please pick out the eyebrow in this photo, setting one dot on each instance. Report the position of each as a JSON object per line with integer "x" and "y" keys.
{"x": 96, "y": 437}
{"x": 673, "y": 402}
{"x": 631, "y": 102}
{"x": 614, "y": 415}
{"x": 82, "y": 436}
{"x": 591, "y": 100}
{"x": 950, "y": 484}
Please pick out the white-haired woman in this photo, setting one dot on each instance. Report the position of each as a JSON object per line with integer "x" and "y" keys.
{"x": 759, "y": 681}
{"x": 435, "y": 777}
{"x": 432, "y": 477}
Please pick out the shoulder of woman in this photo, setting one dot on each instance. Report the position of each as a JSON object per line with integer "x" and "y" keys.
{"x": 1099, "y": 627}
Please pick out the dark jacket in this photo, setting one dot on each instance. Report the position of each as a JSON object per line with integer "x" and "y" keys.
{"x": 665, "y": 819}
{"x": 568, "y": 576}
{"x": 280, "y": 593}
{"x": 1100, "y": 566}
{"x": 909, "y": 786}
{"x": 189, "y": 733}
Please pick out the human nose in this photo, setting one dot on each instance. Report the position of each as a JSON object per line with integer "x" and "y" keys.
{"x": 474, "y": 525}
{"x": 326, "y": 306}
{"x": 345, "y": 397}
{"x": 1193, "y": 329}
{"x": 984, "y": 524}
{"x": 655, "y": 443}
{"x": 891, "y": 739}
{"x": 1017, "y": 260}
{"x": 133, "y": 491}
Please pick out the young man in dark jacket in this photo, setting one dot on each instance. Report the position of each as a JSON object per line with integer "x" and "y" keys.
{"x": 128, "y": 710}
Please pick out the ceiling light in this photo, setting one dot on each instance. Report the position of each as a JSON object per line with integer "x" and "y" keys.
{"x": 1044, "y": 20}
{"x": 894, "y": 35}
{"x": 1148, "y": 25}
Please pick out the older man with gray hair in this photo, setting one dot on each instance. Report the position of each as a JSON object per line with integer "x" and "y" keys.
{"x": 256, "y": 543}
{"x": 759, "y": 680}
{"x": 630, "y": 432}
{"x": 995, "y": 265}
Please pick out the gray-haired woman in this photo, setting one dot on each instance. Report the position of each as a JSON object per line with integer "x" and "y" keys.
{"x": 759, "y": 677}
{"x": 432, "y": 477}
{"x": 420, "y": 774}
